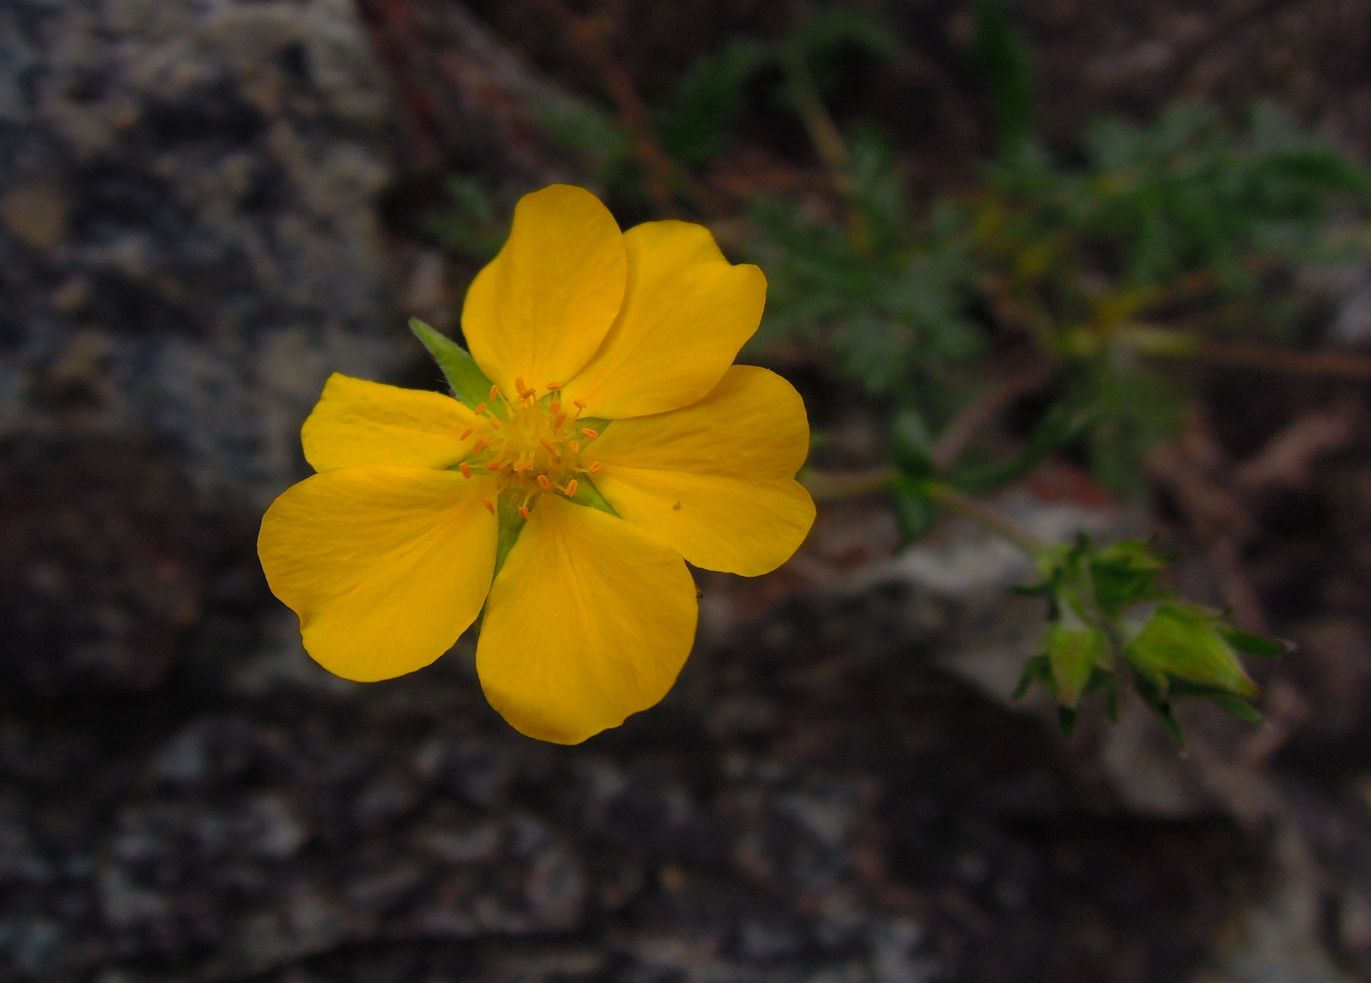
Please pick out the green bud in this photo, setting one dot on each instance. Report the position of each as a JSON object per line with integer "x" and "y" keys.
{"x": 1188, "y": 642}
{"x": 1073, "y": 654}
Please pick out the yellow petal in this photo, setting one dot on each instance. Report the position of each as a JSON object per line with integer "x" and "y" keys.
{"x": 357, "y": 422}
{"x": 384, "y": 566}
{"x": 714, "y": 481}
{"x": 587, "y": 623}
{"x": 540, "y": 309}
{"x": 686, "y": 313}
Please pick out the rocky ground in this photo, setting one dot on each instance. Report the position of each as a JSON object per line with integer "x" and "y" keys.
{"x": 199, "y": 206}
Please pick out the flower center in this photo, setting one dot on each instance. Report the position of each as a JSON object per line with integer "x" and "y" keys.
{"x": 530, "y": 445}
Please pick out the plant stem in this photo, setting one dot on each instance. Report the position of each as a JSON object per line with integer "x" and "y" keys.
{"x": 1171, "y": 343}
{"x": 988, "y": 519}
{"x": 814, "y": 115}
{"x": 827, "y": 486}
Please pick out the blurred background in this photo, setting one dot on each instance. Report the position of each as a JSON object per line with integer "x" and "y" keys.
{"x": 1110, "y": 260}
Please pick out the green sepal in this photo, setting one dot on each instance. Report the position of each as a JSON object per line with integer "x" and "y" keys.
{"x": 1158, "y": 702}
{"x": 1124, "y": 574}
{"x": 589, "y": 496}
{"x": 464, "y": 377}
{"x": 1239, "y": 708}
{"x": 1261, "y": 646}
{"x": 1035, "y": 670}
{"x": 597, "y": 423}
{"x": 1059, "y": 426}
{"x": 511, "y": 525}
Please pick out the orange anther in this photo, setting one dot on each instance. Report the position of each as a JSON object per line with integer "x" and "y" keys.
{"x": 575, "y": 446}
{"x": 494, "y": 393}
{"x": 580, "y": 404}
{"x": 555, "y": 406}
{"x": 595, "y": 467}
{"x": 570, "y": 489}
{"x": 589, "y": 433}
{"x": 480, "y": 445}
{"x": 490, "y": 506}
{"x": 551, "y": 447}
{"x": 544, "y": 482}
{"x": 524, "y": 513}
{"x": 466, "y": 433}
{"x": 523, "y": 464}
{"x": 494, "y": 464}
{"x": 553, "y": 387}
{"x": 465, "y": 468}
{"x": 519, "y": 385}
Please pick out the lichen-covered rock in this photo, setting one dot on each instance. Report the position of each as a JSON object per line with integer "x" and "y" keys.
{"x": 188, "y": 245}
{"x": 188, "y": 241}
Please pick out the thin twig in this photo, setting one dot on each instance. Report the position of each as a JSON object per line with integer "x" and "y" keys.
{"x": 1172, "y": 343}
{"x": 1006, "y": 387}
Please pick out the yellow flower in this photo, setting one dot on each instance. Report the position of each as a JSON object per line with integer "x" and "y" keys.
{"x": 610, "y": 356}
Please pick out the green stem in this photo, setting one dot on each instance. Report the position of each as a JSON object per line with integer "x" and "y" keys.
{"x": 827, "y": 486}
{"x": 988, "y": 519}
{"x": 814, "y": 115}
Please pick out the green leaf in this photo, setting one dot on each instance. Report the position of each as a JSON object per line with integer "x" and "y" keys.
{"x": 912, "y": 444}
{"x": 468, "y": 383}
{"x": 1005, "y": 62}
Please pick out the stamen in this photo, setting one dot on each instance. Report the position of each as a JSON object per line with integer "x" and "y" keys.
{"x": 466, "y": 433}
{"x": 523, "y": 464}
{"x": 575, "y": 446}
{"x": 519, "y": 384}
{"x": 553, "y": 387}
{"x": 480, "y": 445}
{"x": 551, "y": 447}
{"x": 494, "y": 393}
{"x": 494, "y": 464}
{"x": 589, "y": 433}
{"x": 480, "y": 409}
{"x": 544, "y": 482}
{"x": 465, "y": 468}
{"x": 570, "y": 489}
{"x": 595, "y": 467}
{"x": 524, "y": 513}
{"x": 490, "y": 506}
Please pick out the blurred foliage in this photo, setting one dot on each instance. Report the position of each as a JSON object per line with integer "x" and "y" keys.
{"x": 1172, "y": 224}
{"x": 1090, "y": 268}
